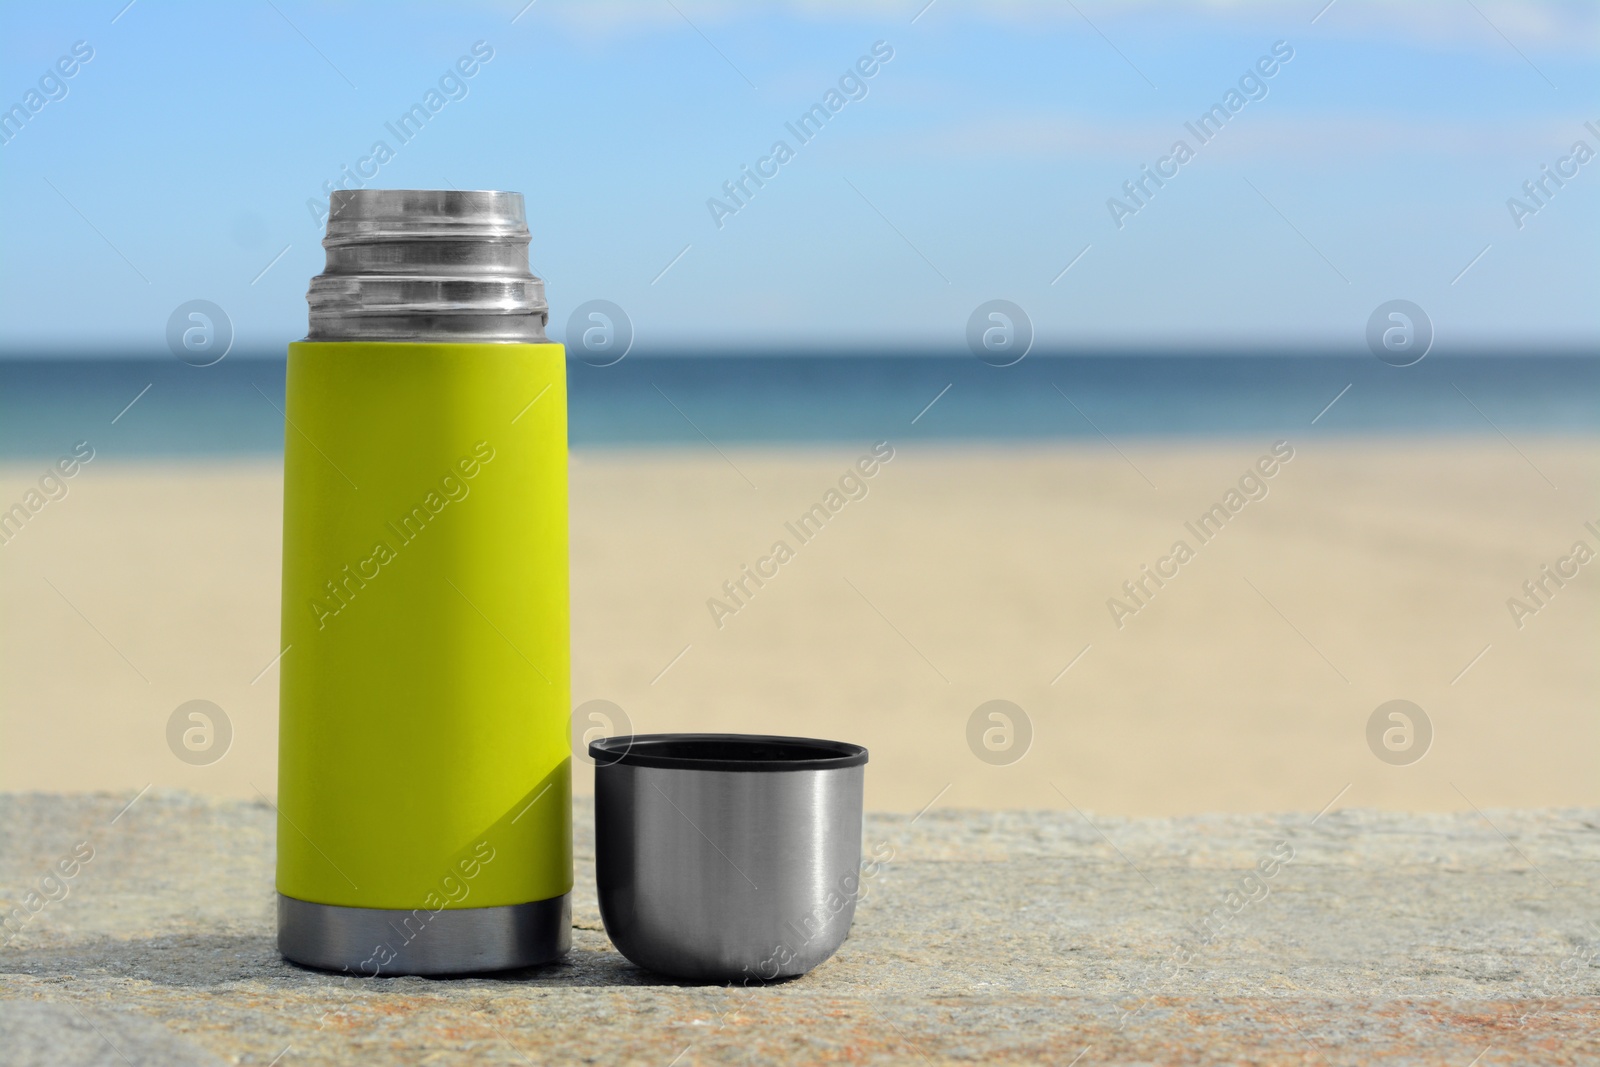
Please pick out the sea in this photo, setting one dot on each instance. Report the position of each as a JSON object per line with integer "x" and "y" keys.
{"x": 145, "y": 408}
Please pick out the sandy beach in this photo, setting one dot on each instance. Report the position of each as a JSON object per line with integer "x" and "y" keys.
{"x": 1357, "y": 572}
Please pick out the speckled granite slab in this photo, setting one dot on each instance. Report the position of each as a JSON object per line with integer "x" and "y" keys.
{"x": 1054, "y": 937}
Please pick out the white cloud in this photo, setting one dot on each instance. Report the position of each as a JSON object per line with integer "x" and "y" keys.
{"x": 1336, "y": 137}
{"x": 1546, "y": 25}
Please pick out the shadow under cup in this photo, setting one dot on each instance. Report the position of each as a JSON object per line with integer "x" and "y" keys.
{"x": 727, "y": 857}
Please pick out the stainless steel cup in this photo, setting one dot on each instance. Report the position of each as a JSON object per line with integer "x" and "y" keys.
{"x": 727, "y": 857}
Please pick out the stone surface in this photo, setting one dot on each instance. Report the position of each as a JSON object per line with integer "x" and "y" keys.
{"x": 40, "y": 1033}
{"x": 981, "y": 937}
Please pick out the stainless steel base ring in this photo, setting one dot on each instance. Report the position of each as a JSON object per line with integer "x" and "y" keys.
{"x": 384, "y": 943}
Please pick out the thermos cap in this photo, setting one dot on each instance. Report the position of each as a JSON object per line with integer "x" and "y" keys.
{"x": 427, "y": 265}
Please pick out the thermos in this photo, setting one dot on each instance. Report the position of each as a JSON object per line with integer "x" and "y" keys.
{"x": 424, "y": 794}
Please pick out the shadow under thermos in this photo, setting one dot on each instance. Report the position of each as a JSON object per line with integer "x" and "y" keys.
{"x": 424, "y": 766}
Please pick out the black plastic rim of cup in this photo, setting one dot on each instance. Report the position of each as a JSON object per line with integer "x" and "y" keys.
{"x": 725, "y": 752}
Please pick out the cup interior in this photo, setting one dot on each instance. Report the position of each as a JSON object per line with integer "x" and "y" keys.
{"x": 726, "y": 752}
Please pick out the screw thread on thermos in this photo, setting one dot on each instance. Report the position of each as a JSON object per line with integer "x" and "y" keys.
{"x": 424, "y": 787}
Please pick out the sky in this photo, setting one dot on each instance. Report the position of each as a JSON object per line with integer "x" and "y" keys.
{"x": 985, "y": 157}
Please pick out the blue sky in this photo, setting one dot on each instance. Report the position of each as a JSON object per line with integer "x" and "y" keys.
{"x": 978, "y": 165}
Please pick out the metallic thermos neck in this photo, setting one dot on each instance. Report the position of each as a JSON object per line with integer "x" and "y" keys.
{"x": 427, "y": 265}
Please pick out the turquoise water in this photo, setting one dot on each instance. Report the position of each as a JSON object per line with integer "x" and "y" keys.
{"x": 232, "y": 408}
